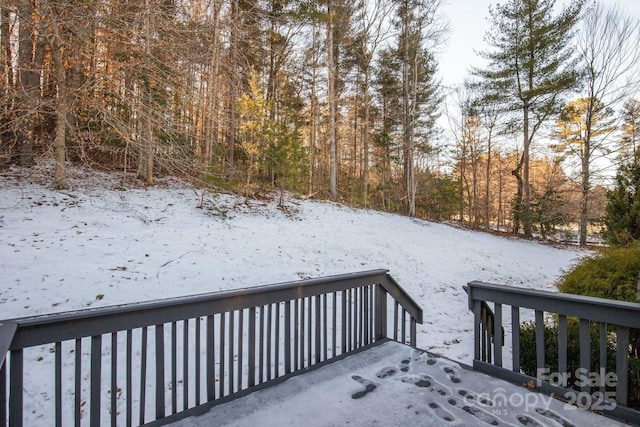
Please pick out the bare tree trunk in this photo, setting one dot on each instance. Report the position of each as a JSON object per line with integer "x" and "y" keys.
{"x": 30, "y": 57}
{"x": 517, "y": 209}
{"x": 524, "y": 180}
{"x": 62, "y": 107}
{"x": 331, "y": 98}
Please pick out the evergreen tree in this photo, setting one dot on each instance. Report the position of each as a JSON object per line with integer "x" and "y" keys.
{"x": 622, "y": 215}
{"x": 529, "y": 67}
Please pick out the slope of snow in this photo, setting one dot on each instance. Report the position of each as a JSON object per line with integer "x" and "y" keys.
{"x": 98, "y": 245}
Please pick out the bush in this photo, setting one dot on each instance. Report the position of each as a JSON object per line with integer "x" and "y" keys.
{"x": 612, "y": 274}
{"x": 528, "y": 349}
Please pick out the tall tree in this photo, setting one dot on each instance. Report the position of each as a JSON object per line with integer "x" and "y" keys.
{"x": 622, "y": 215}
{"x": 530, "y": 66}
{"x": 582, "y": 130}
{"x": 607, "y": 47}
{"x": 630, "y": 142}
{"x": 370, "y": 34}
{"x": 420, "y": 30}
{"x": 31, "y": 43}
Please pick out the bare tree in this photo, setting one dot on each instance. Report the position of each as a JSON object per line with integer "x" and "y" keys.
{"x": 608, "y": 48}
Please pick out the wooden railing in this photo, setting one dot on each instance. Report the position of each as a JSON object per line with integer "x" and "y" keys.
{"x": 610, "y": 319}
{"x": 155, "y": 362}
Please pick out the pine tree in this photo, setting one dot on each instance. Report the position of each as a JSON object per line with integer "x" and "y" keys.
{"x": 529, "y": 67}
{"x": 622, "y": 215}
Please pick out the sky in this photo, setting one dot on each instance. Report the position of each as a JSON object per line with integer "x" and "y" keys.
{"x": 97, "y": 245}
{"x": 468, "y": 20}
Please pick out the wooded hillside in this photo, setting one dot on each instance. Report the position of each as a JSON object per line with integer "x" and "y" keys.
{"x": 331, "y": 99}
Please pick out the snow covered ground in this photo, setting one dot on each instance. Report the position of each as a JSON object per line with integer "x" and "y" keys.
{"x": 393, "y": 385}
{"x": 100, "y": 244}
{"x": 107, "y": 243}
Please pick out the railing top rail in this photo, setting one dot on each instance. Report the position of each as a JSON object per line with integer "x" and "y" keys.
{"x": 615, "y": 312}
{"x": 403, "y": 298}
{"x": 7, "y": 332}
{"x": 47, "y": 328}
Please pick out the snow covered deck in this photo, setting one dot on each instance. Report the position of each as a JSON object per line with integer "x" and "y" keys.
{"x": 394, "y": 385}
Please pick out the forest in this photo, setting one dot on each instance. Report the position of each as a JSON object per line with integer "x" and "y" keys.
{"x": 332, "y": 99}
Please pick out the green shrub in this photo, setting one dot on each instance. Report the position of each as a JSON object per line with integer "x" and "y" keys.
{"x": 610, "y": 274}
{"x": 528, "y": 349}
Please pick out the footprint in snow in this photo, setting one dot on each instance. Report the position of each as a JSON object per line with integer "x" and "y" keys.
{"x": 420, "y": 381}
{"x": 387, "y": 372}
{"x": 526, "y": 420}
{"x": 440, "y": 412}
{"x": 555, "y": 417}
{"x": 369, "y": 386}
{"x": 452, "y": 374}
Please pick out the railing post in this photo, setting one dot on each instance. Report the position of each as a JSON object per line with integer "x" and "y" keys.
{"x": 15, "y": 390}
{"x": 380, "y": 313}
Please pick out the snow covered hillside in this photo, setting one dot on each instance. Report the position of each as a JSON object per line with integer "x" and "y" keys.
{"x": 99, "y": 244}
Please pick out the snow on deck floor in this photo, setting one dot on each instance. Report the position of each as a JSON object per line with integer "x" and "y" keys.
{"x": 395, "y": 385}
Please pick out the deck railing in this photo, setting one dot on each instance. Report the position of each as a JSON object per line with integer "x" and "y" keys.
{"x": 611, "y": 321}
{"x": 156, "y": 362}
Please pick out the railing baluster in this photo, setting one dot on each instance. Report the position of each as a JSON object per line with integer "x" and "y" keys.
{"x": 515, "y": 337}
{"x": 603, "y": 355}
{"x": 210, "y": 361}
{"x": 96, "y": 377}
{"x": 261, "y": 346}
{"x": 318, "y": 344}
{"x": 395, "y": 320}
{"x": 297, "y": 331}
{"x": 222, "y": 358}
{"x": 185, "y": 364}
{"x": 114, "y": 378}
{"x": 310, "y": 331}
{"x": 365, "y": 314}
{"x": 412, "y": 330}
{"x": 277, "y": 342}
{"x": 325, "y": 334}
{"x": 334, "y": 325}
{"x": 129, "y": 378}
{"x": 251, "y": 372}
{"x": 477, "y": 332}
{"x": 77, "y": 404}
{"x": 344, "y": 325}
{"x": 240, "y": 348}
{"x": 58, "y": 384}
{"x": 540, "y": 344}
{"x": 287, "y": 337}
{"x": 16, "y": 371}
{"x": 622, "y": 365}
{"x": 360, "y": 316}
{"x": 268, "y": 337}
{"x": 143, "y": 375}
{"x": 197, "y": 361}
{"x": 159, "y": 383}
{"x": 404, "y": 326}
{"x": 174, "y": 367}
{"x": 371, "y": 313}
{"x": 585, "y": 350}
{"x": 562, "y": 344}
{"x": 231, "y": 335}
{"x": 497, "y": 334}
{"x": 302, "y": 332}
